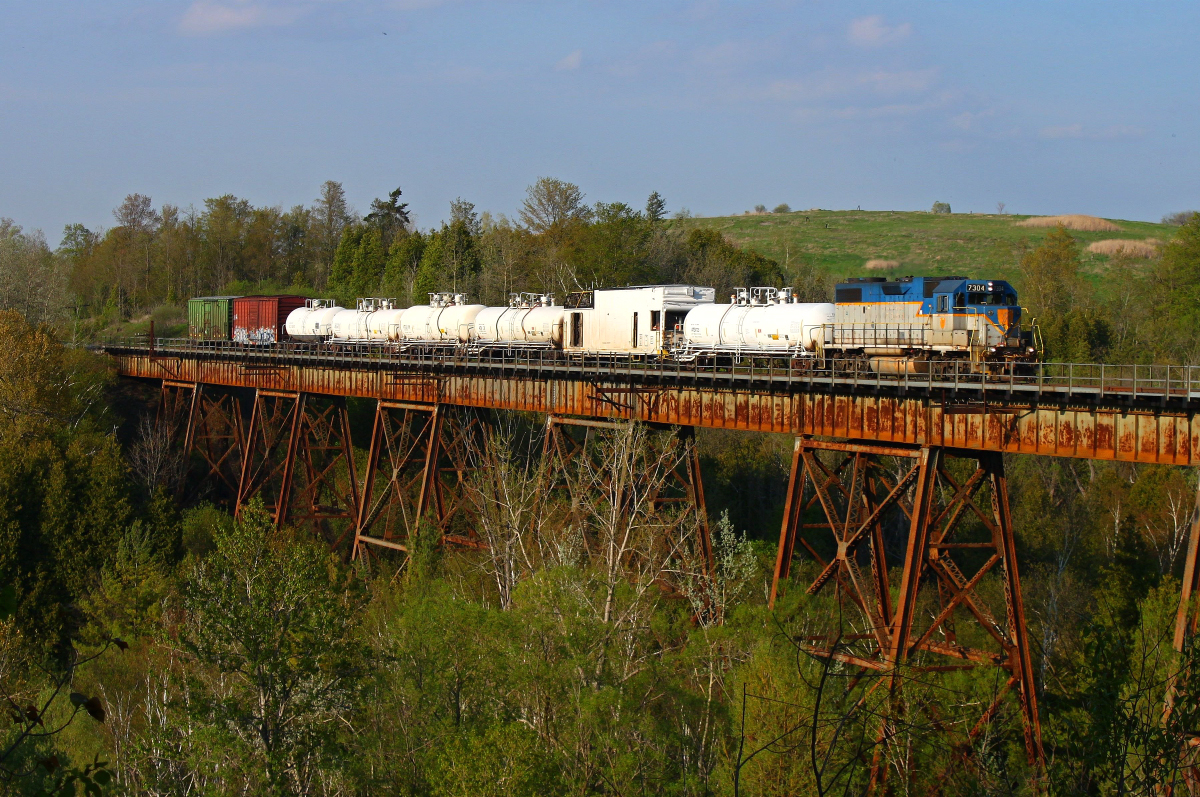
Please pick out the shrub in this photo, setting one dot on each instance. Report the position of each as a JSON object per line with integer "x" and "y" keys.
{"x": 1179, "y": 219}
{"x": 783, "y": 207}
{"x": 941, "y": 207}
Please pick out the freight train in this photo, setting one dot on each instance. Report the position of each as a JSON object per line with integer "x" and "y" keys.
{"x": 906, "y": 324}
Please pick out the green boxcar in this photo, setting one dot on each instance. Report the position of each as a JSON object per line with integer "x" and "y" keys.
{"x": 210, "y": 317}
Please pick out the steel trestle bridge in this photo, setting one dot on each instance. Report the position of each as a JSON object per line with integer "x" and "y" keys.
{"x": 925, "y": 447}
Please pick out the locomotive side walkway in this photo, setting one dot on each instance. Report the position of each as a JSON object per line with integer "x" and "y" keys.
{"x": 1130, "y": 413}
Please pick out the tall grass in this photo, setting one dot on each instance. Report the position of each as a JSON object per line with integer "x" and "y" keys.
{"x": 1112, "y": 247}
{"x": 876, "y": 264}
{"x": 1072, "y": 221}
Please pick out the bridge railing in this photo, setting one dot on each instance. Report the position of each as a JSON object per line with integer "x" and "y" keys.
{"x": 1093, "y": 381}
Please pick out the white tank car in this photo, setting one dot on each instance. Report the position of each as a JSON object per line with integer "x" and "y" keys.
{"x": 757, "y": 320}
{"x": 383, "y": 325}
{"x": 529, "y": 320}
{"x": 446, "y": 319}
{"x": 313, "y": 322}
{"x": 356, "y": 324}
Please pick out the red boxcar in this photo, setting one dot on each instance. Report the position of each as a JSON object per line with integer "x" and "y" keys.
{"x": 259, "y": 320}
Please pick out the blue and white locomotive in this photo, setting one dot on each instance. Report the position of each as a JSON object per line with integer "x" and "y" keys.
{"x": 927, "y": 319}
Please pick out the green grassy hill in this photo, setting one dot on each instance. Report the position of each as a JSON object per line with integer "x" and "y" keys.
{"x": 840, "y": 242}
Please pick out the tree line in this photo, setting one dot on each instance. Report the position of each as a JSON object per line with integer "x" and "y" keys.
{"x": 1140, "y": 312}
{"x": 154, "y": 256}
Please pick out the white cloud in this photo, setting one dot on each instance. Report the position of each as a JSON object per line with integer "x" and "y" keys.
{"x": 653, "y": 57}
{"x": 417, "y": 5}
{"x": 898, "y": 82}
{"x": 834, "y": 84}
{"x": 206, "y": 17}
{"x": 203, "y": 17}
{"x": 1062, "y": 131}
{"x": 890, "y": 110}
{"x": 872, "y": 31}
{"x": 967, "y": 119}
{"x": 1079, "y": 131}
{"x": 703, "y": 10}
{"x": 570, "y": 62}
{"x": 1121, "y": 131}
{"x": 729, "y": 56}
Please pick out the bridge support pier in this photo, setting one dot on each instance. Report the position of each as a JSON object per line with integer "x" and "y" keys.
{"x": 215, "y": 432}
{"x": 298, "y": 458}
{"x": 1188, "y": 616}
{"x": 874, "y": 501}
{"x": 175, "y": 409}
{"x": 209, "y": 421}
{"x": 419, "y": 458}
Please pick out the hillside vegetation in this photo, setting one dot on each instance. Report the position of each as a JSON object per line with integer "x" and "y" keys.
{"x": 841, "y": 242}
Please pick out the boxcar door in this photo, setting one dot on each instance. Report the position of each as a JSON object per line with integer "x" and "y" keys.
{"x": 576, "y": 330}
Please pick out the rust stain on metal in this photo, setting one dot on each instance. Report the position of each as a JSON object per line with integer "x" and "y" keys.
{"x": 1066, "y": 433}
{"x": 1163, "y": 436}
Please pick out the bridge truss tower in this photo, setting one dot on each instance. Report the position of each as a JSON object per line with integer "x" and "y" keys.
{"x": 917, "y": 545}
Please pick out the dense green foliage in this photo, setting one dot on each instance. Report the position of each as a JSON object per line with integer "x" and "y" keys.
{"x": 252, "y": 661}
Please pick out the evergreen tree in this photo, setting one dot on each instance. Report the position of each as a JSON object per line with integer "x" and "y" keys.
{"x": 358, "y": 265}
{"x": 656, "y": 208}
{"x": 389, "y": 216}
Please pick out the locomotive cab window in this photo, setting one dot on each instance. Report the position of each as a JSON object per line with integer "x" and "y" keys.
{"x": 654, "y": 314}
{"x": 960, "y": 301}
{"x": 943, "y": 303}
{"x": 989, "y": 299}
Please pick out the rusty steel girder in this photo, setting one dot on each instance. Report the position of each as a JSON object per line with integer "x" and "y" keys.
{"x": 959, "y": 561}
{"x": 1143, "y": 433}
{"x": 418, "y": 459}
{"x": 298, "y": 458}
{"x": 216, "y": 437}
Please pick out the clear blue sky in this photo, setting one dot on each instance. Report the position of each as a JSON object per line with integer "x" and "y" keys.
{"x": 1051, "y": 107}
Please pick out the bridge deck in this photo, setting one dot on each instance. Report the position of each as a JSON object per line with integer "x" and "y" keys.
{"x": 1133, "y": 413}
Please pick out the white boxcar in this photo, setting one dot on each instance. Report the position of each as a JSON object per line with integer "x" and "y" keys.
{"x": 646, "y": 319}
